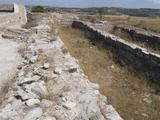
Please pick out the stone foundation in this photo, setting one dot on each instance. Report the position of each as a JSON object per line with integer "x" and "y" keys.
{"x": 125, "y": 53}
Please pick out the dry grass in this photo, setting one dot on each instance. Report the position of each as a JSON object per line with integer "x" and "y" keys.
{"x": 128, "y": 93}
{"x": 152, "y": 24}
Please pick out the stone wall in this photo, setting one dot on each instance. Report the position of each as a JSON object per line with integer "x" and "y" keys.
{"x": 150, "y": 39}
{"x": 6, "y": 8}
{"x": 125, "y": 53}
{"x": 18, "y": 17}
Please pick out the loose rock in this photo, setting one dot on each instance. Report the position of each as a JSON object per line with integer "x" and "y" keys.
{"x": 45, "y": 103}
{"x": 46, "y": 66}
{"x": 34, "y": 114}
{"x": 39, "y": 88}
{"x": 57, "y": 71}
{"x": 69, "y": 105}
{"x": 33, "y": 59}
{"x": 32, "y": 102}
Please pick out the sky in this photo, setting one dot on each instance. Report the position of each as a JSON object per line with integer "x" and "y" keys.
{"x": 90, "y": 3}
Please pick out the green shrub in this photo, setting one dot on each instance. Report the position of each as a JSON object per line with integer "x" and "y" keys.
{"x": 38, "y": 9}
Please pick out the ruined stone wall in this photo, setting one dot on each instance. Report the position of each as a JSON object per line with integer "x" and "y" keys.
{"x": 150, "y": 39}
{"x": 125, "y": 53}
{"x": 6, "y": 8}
{"x": 17, "y": 17}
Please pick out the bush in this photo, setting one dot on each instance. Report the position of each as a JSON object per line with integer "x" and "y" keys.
{"x": 91, "y": 19}
{"x": 38, "y": 9}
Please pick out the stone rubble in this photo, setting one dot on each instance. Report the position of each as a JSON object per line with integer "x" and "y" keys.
{"x": 46, "y": 65}
{"x": 50, "y": 85}
{"x": 34, "y": 114}
{"x": 32, "y": 102}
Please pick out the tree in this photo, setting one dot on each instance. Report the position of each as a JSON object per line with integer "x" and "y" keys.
{"x": 38, "y": 9}
{"x": 101, "y": 13}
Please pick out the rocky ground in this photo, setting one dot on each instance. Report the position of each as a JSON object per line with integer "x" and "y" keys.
{"x": 49, "y": 83}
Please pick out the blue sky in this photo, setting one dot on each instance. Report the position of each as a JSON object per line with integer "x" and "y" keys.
{"x": 91, "y": 3}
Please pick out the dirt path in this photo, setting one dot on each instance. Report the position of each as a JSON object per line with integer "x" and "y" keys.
{"x": 9, "y": 60}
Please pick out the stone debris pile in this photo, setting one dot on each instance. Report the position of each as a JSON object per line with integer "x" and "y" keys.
{"x": 50, "y": 85}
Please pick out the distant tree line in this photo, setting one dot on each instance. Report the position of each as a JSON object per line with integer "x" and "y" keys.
{"x": 143, "y": 12}
{"x": 38, "y": 9}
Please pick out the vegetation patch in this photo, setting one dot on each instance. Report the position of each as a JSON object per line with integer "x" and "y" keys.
{"x": 38, "y": 9}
